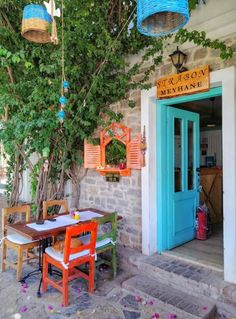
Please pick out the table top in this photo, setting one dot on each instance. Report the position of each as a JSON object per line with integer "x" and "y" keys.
{"x": 33, "y": 234}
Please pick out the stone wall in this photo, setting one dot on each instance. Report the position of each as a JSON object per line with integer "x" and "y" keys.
{"x": 125, "y": 196}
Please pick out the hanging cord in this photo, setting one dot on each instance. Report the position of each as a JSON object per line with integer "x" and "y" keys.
{"x": 54, "y": 38}
{"x": 99, "y": 69}
{"x": 62, "y": 48}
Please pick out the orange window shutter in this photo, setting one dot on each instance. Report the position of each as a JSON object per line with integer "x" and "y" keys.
{"x": 92, "y": 155}
{"x": 134, "y": 156}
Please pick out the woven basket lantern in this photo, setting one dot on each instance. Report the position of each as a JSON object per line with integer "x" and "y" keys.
{"x": 161, "y": 17}
{"x": 36, "y": 24}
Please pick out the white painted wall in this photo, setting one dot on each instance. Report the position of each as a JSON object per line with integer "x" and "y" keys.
{"x": 149, "y": 208}
{"x": 213, "y": 140}
{"x": 25, "y": 194}
{"x": 217, "y": 18}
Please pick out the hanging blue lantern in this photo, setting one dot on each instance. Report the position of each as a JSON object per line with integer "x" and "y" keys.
{"x": 66, "y": 86}
{"x": 61, "y": 115}
{"x": 63, "y": 100}
{"x": 158, "y": 17}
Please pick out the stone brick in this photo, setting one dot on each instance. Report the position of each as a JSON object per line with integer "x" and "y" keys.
{"x": 97, "y": 201}
{"x": 124, "y": 238}
{"x": 90, "y": 181}
{"x": 131, "y": 230}
{"x": 166, "y": 69}
{"x": 200, "y": 54}
{"x": 118, "y": 194}
{"x": 130, "y": 301}
{"x": 131, "y": 314}
{"x": 125, "y": 181}
{"x": 134, "y": 192}
{"x": 111, "y": 201}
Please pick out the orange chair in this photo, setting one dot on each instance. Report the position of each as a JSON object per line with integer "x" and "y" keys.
{"x": 71, "y": 258}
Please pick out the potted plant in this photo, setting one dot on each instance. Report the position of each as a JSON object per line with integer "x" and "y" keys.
{"x": 115, "y": 154}
{"x": 122, "y": 164}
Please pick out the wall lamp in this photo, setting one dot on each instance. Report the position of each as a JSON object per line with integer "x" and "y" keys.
{"x": 178, "y": 58}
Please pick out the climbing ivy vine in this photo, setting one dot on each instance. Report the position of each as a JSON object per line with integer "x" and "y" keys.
{"x": 98, "y": 39}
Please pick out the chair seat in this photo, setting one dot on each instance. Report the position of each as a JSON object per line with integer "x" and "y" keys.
{"x": 60, "y": 257}
{"x": 86, "y": 239}
{"x": 19, "y": 240}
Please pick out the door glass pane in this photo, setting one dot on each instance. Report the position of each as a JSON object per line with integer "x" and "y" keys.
{"x": 190, "y": 155}
{"x": 178, "y": 155}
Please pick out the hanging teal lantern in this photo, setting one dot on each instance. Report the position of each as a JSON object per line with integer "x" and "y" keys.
{"x": 61, "y": 115}
{"x": 63, "y": 100}
{"x": 158, "y": 17}
{"x": 66, "y": 86}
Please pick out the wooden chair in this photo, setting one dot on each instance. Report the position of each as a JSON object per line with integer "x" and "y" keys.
{"x": 15, "y": 241}
{"x": 72, "y": 258}
{"x": 106, "y": 240}
{"x": 50, "y": 203}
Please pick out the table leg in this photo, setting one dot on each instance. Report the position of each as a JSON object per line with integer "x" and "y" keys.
{"x": 36, "y": 271}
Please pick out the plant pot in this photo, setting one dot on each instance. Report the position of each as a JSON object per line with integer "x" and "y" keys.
{"x": 122, "y": 166}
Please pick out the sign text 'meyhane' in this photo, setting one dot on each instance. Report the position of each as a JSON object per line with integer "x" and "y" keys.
{"x": 189, "y": 82}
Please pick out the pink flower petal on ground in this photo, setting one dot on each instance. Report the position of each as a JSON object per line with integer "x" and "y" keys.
{"x": 172, "y": 316}
{"x": 24, "y": 285}
{"x": 23, "y": 290}
{"x": 138, "y": 298}
{"x": 50, "y": 307}
{"x": 155, "y": 316}
{"x": 62, "y": 305}
{"x": 23, "y": 309}
{"x": 205, "y": 308}
{"x": 150, "y": 303}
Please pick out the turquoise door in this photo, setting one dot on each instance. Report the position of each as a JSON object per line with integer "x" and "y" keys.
{"x": 182, "y": 175}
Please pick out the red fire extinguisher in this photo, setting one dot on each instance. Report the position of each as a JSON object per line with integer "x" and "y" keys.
{"x": 201, "y": 229}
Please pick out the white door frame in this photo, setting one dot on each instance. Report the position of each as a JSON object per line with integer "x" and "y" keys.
{"x": 227, "y": 79}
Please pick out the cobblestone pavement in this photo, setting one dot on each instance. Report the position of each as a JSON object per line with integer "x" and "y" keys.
{"x": 110, "y": 300}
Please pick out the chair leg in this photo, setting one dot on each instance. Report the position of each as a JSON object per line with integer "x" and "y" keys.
{"x": 65, "y": 287}
{"x": 4, "y": 256}
{"x": 19, "y": 263}
{"x": 91, "y": 276}
{"x": 114, "y": 265}
{"x": 45, "y": 274}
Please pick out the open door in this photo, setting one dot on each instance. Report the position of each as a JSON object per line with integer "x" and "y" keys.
{"x": 182, "y": 175}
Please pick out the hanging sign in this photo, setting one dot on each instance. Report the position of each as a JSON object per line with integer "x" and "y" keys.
{"x": 189, "y": 82}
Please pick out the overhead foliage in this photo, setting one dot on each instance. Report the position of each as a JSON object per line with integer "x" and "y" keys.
{"x": 98, "y": 38}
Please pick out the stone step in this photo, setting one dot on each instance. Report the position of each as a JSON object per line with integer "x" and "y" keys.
{"x": 183, "y": 305}
{"x": 183, "y": 275}
{"x": 188, "y": 277}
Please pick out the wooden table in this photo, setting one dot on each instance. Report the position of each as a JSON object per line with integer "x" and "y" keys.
{"x": 33, "y": 234}
{"x": 43, "y": 237}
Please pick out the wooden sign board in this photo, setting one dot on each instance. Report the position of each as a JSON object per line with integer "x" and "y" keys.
{"x": 189, "y": 82}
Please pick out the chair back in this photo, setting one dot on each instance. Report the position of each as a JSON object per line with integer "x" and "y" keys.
{"x": 50, "y": 203}
{"x": 107, "y": 226}
{"x": 75, "y": 231}
{"x": 17, "y": 210}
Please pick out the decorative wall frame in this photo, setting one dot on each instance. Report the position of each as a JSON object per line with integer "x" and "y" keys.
{"x": 95, "y": 155}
